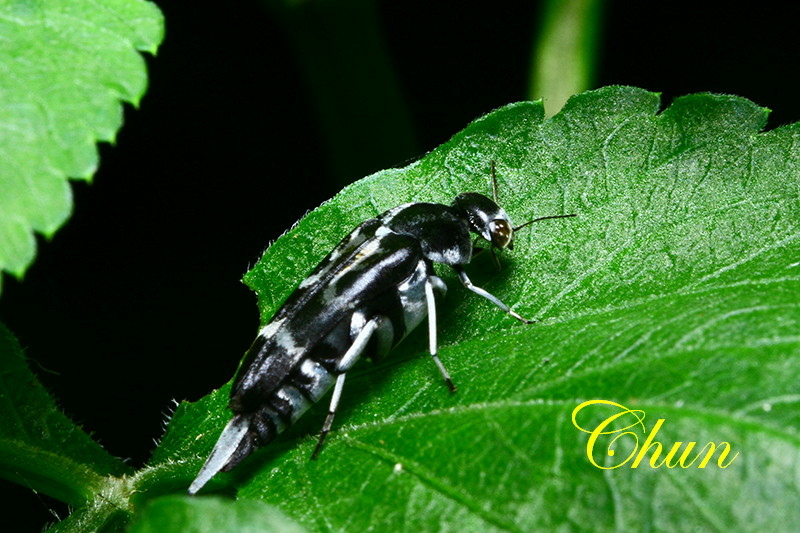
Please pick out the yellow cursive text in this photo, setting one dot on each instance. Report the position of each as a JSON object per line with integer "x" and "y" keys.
{"x": 635, "y": 418}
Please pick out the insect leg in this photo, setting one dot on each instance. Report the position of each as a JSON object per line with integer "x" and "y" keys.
{"x": 348, "y": 359}
{"x": 478, "y": 249}
{"x": 496, "y": 260}
{"x": 489, "y": 296}
{"x": 431, "y": 303}
{"x": 326, "y": 427}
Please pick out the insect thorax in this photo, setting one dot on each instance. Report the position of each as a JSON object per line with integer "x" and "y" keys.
{"x": 442, "y": 234}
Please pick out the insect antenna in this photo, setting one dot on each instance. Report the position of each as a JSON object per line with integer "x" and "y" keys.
{"x": 542, "y": 218}
{"x": 494, "y": 195}
{"x": 494, "y": 182}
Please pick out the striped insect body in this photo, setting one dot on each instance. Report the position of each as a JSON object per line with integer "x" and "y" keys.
{"x": 372, "y": 289}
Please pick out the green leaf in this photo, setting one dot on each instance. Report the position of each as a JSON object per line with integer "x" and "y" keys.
{"x": 673, "y": 292}
{"x": 65, "y": 67}
{"x": 183, "y": 514}
{"x": 39, "y": 446}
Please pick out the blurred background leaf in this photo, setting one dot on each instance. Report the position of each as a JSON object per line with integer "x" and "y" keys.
{"x": 66, "y": 69}
{"x": 41, "y": 448}
{"x": 211, "y": 515}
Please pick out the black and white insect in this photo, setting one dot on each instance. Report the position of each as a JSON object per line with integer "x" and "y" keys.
{"x": 376, "y": 286}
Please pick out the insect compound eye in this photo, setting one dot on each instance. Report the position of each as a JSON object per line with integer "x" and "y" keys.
{"x": 502, "y": 233}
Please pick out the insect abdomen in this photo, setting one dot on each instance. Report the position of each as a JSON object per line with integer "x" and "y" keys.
{"x": 305, "y": 385}
{"x": 271, "y": 411}
{"x": 297, "y": 357}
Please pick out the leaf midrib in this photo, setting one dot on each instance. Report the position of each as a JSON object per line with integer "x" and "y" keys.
{"x": 504, "y": 404}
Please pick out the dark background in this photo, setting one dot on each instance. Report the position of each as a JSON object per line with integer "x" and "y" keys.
{"x": 137, "y": 300}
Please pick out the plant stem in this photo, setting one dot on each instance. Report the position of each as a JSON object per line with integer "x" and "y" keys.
{"x": 565, "y": 54}
{"x": 364, "y": 119}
